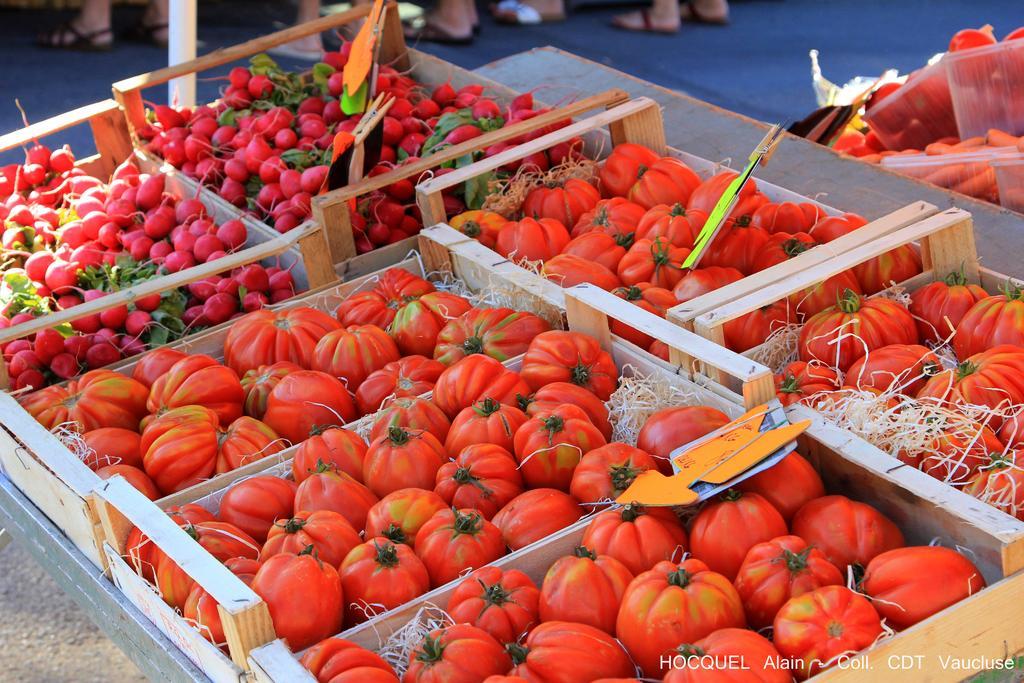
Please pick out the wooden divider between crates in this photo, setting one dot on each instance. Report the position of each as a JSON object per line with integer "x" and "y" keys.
{"x": 637, "y": 121}
{"x": 128, "y": 92}
{"x": 157, "y": 285}
{"x": 109, "y": 132}
{"x": 947, "y": 244}
{"x": 244, "y": 615}
{"x": 685, "y": 313}
{"x": 333, "y": 209}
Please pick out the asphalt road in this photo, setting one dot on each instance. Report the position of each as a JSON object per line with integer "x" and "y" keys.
{"x": 757, "y": 66}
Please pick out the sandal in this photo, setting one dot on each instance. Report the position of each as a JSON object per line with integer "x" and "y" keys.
{"x": 67, "y": 37}
{"x": 646, "y": 25}
{"x": 146, "y": 33}
{"x": 432, "y": 33}
{"x": 688, "y": 12}
{"x": 518, "y": 13}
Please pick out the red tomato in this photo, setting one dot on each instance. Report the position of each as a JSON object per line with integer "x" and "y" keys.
{"x": 892, "y": 267}
{"x": 330, "y": 534}
{"x": 352, "y": 354}
{"x": 484, "y": 422}
{"x": 341, "y": 449}
{"x": 500, "y": 333}
{"x": 455, "y": 540}
{"x": 555, "y": 394}
{"x": 502, "y": 602}
{"x": 307, "y": 402}
{"x": 670, "y": 428}
{"x": 482, "y": 476}
{"x": 559, "y": 356}
{"x": 992, "y": 321}
{"x": 993, "y": 378}
{"x": 201, "y": 609}
{"x": 800, "y": 380}
{"x": 817, "y": 298}
{"x": 897, "y": 367}
{"x": 777, "y": 570}
{"x": 667, "y": 181}
{"x": 819, "y": 626}
{"x": 571, "y": 653}
{"x": 549, "y": 445}
{"x": 848, "y": 532}
{"x": 584, "y": 588}
{"x": 596, "y": 248}
{"x": 401, "y": 459}
{"x": 304, "y": 595}
{"x": 655, "y": 261}
{"x": 569, "y": 270}
{"x": 112, "y": 446}
{"x": 532, "y": 240}
{"x": 754, "y": 328}
{"x": 411, "y": 414}
{"x": 607, "y": 471}
{"x": 395, "y": 287}
{"x": 379, "y": 575}
{"x": 535, "y": 514}
{"x": 456, "y": 654}
{"x": 737, "y": 246}
{"x": 265, "y": 337}
{"x": 404, "y": 378}
{"x": 656, "y": 300}
{"x": 834, "y": 227}
{"x": 787, "y": 217}
{"x": 476, "y": 377}
{"x": 1001, "y": 485}
{"x": 155, "y": 363}
{"x": 259, "y": 382}
{"x": 700, "y": 281}
{"x": 565, "y": 204}
{"x": 417, "y": 324}
{"x": 99, "y": 398}
{"x": 762, "y": 663}
{"x": 482, "y": 226}
{"x": 328, "y": 489}
{"x": 908, "y": 585}
{"x": 787, "y": 485}
{"x": 723, "y": 531}
{"x": 938, "y": 307}
{"x": 636, "y": 536}
{"x": 781, "y": 247}
{"x": 254, "y": 504}
{"x": 134, "y": 476}
{"x": 672, "y": 604}
{"x": 342, "y": 661}
{"x": 623, "y": 167}
{"x": 399, "y": 516}
{"x": 673, "y": 223}
{"x": 968, "y": 38}
{"x": 617, "y": 217}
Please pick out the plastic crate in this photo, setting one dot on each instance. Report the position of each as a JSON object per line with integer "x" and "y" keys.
{"x": 970, "y": 173}
{"x": 1010, "y": 179}
{"x": 987, "y": 87}
{"x": 919, "y": 112}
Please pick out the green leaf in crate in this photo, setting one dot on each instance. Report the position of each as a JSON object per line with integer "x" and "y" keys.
{"x": 446, "y": 124}
{"x": 228, "y": 117}
{"x": 476, "y": 190}
{"x": 263, "y": 64}
{"x": 321, "y": 72}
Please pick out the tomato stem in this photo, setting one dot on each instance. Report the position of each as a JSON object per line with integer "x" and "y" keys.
{"x": 518, "y": 652}
{"x": 471, "y": 229}
{"x": 387, "y": 554}
{"x": 580, "y": 375}
{"x": 680, "y": 577}
{"x": 487, "y": 407}
{"x": 584, "y": 551}
{"x": 293, "y": 525}
{"x": 495, "y": 594}
{"x": 431, "y": 650}
{"x": 849, "y": 301}
{"x": 469, "y": 523}
{"x": 398, "y": 436}
{"x": 631, "y": 512}
{"x": 394, "y": 533}
{"x": 473, "y": 345}
{"x": 623, "y": 475}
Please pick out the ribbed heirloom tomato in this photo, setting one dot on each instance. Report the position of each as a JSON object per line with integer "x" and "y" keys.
{"x": 142, "y": 554}
{"x": 502, "y": 602}
{"x": 456, "y": 654}
{"x": 134, "y": 476}
{"x": 401, "y": 459}
{"x": 898, "y": 367}
{"x": 667, "y": 181}
{"x": 655, "y": 261}
{"x": 856, "y": 326}
{"x": 453, "y": 541}
{"x": 754, "y": 328}
{"x": 605, "y": 472}
{"x": 908, "y": 585}
{"x": 617, "y": 217}
{"x": 380, "y": 575}
{"x": 484, "y": 422}
{"x": 259, "y": 382}
{"x": 406, "y": 377}
{"x": 352, "y": 354}
{"x": 892, "y": 267}
{"x": 394, "y": 288}
{"x": 638, "y": 537}
{"x": 342, "y": 661}
{"x": 723, "y": 532}
{"x": 330, "y": 535}
{"x": 992, "y": 321}
{"x": 705, "y": 197}
{"x": 565, "y": 203}
{"x": 823, "y": 295}
{"x": 155, "y": 363}
{"x": 584, "y": 588}
{"x": 417, "y": 324}
{"x": 339, "y": 448}
{"x": 500, "y": 333}
{"x": 598, "y": 248}
{"x": 549, "y": 446}
{"x": 476, "y": 377}
{"x": 306, "y": 401}
{"x": 531, "y": 239}
{"x": 800, "y": 380}
{"x": 1000, "y": 484}
{"x": 254, "y": 504}
{"x": 199, "y": 380}
{"x": 672, "y": 604}
{"x": 992, "y": 378}
{"x": 482, "y": 226}
{"x": 112, "y": 446}
{"x": 672, "y": 222}
{"x": 780, "y": 247}
{"x": 304, "y": 595}
{"x": 223, "y": 541}
{"x": 819, "y": 626}
{"x": 780, "y": 569}
{"x": 559, "y": 356}
{"x": 572, "y": 653}
{"x": 265, "y": 337}
{"x": 786, "y": 217}
{"x": 327, "y": 489}
{"x": 787, "y": 485}
{"x": 555, "y": 394}
{"x": 846, "y": 531}
{"x": 938, "y": 307}
{"x": 671, "y": 428}
{"x": 414, "y": 415}
{"x": 201, "y": 609}
{"x": 399, "y": 516}
{"x": 623, "y": 167}
{"x": 834, "y": 227}
{"x": 99, "y": 398}
{"x": 656, "y": 300}
{"x": 535, "y": 514}
{"x": 569, "y": 270}
{"x": 716, "y": 655}
{"x": 700, "y": 281}
{"x": 482, "y": 476}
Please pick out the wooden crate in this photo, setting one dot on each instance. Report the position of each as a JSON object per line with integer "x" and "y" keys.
{"x": 60, "y": 484}
{"x": 984, "y": 625}
{"x": 947, "y": 244}
{"x": 332, "y": 209}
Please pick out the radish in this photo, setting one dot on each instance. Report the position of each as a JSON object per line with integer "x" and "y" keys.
{"x": 228, "y": 286}
{"x": 91, "y": 224}
{"x": 64, "y": 365}
{"x": 193, "y": 315}
{"x": 115, "y": 317}
{"x": 463, "y": 133}
{"x": 205, "y": 126}
{"x": 282, "y": 279}
{"x": 61, "y": 276}
{"x": 253, "y": 301}
{"x": 140, "y": 248}
{"x": 223, "y": 136}
{"x": 66, "y": 301}
{"x": 197, "y": 147}
{"x": 219, "y": 308}
{"x": 311, "y": 105}
{"x": 378, "y": 233}
{"x": 205, "y": 246}
{"x": 205, "y": 288}
{"x": 332, "y": 112}
{"x": 137, "y": 322}
{"x": 388, "y": 155}
{"x": 388, "y": 212}
{"x": 485, "y": 108}
{"x": 260, "y": 87}
{"x": 168, "y": 117}
{"x": 313, "y": 127}
{"x": 256, "y": 152}
{"x": 521, "y": 102}
{"x": 285, "y": 139}
{"x": 443, "y": 94}
{"x": 16, "y": 345}
{"x": 100, "y": 354}
{"x": 269, "y": 196}
{"x": 209, "y": 169}
{"x": 150, "y": 302}
{"x": 34, "y": 174}
{"x": 202, "y": 226}
{"x": 184, "y": 242}
{"x": 336, "y": 60}
{"x": 279, "y": 295}
{"x": 411, "y": 124}
{"x": 189, "y": 208}
{"x": 110, "y": 236}
{"x": 313, "y": 179}
{"x": 30, "y": 379}
{"x": 157, "y": 225}
{"x": 36, "y": 265}
{"x": 87, "y": 324}
{"x": 233, "y": 192}
{"x": 401, "y": 108}
{"x": 179, "y": 260}
{"x": 463, "y": 101}
{"x": 239, "y": 77}
{"x": 24, "y": 360}
{"x": 77, "y": 345}
{"x": 412, "y": 143}
{"x": 425, "y": 109}
{"x": 286, "y": 221}
{"x": 335, "y": 84}
{"x": 254, "y": 278}
{"x": 121, "y": 211}
{"x": 270, "y": 170}
{"x": 129, "y": 346}
{"x": 290, "y": 182}
{"x": 232, "y": 234}
{"x": 62, "y": 160}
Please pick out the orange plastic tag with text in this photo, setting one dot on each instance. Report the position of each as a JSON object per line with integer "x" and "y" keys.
{"x": 360, "y": 58}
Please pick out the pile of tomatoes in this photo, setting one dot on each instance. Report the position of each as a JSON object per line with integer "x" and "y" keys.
{"x": 882, "y": 346}
{"x": 642, "y": 595}
{"x": 630, "y": 229}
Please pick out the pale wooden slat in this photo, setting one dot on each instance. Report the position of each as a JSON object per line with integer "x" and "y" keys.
{"x": 55, "y": 124}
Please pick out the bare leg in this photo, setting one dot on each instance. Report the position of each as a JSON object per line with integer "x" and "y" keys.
{"x": 662, "y": 17}
{"x": 310, "y": 47}
{"x": 92, "y": 22}
{"x": 156, "y": 16}
{"x": 453, "y": 18}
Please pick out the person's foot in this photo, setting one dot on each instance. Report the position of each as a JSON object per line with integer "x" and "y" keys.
{"x": 310, "y": 48}
{"x": 434, "y": 28}
{"x": 714, "y": 12}
{"x": 549, "y": 10}
{"x": 648, "y": 21}
{"x": 73, "y": 36}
